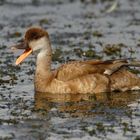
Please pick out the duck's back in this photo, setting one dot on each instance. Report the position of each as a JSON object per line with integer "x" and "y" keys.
{"x": 98, "y": 76}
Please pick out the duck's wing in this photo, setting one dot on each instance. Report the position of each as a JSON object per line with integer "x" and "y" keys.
{"x": 117, "y": 64}
{"x": 76, "y": 69}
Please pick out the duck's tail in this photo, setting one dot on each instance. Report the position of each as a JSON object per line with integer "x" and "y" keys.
{"x": 119, "y": 64}
{"x": 124, "y": 79}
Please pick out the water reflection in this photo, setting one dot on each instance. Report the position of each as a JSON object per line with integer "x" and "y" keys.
{"x": 85, "y": 104}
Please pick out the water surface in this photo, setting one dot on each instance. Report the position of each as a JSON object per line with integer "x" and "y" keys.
{"x": 78, "y": 30}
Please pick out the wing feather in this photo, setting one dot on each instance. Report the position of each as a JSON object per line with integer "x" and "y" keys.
{"x": 76, "y": 69}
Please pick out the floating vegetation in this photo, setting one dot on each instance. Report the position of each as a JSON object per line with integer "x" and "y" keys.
{"x": 79, "y": 52}
{"x": 35, "y": 2}
{"x": 79, "y": 31}
{"x": 43, "y": 21}
{"x": 131, "y": 50}
{"x": 2, "y": 47}
{"x": 57, "y": 54}
{"x": 8, "y": 121}
{"x": 90, "y": 130}
{"x": 87, "y": 35}
{"x": 138, "y": 44}
{"x": 97, "y": 34}
{"x": 137, "y": 138}
{"x": 113, "y": 49}
{"x": 90, "y": 53}
{"x": 96, "y": 1}
{"x": 100, "y": 127}
{"x": 136, "y": 71}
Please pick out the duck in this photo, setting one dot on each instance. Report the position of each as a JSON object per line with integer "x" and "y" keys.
{"x": 84, "y": 77}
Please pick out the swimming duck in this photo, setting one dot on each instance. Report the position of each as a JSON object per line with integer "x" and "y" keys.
{"x": 90, "y": 76}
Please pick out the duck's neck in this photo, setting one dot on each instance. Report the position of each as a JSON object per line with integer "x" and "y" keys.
{"x": 43, "y": 65}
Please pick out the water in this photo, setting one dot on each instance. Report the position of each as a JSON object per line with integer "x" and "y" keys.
{"x": 78, "y": 30}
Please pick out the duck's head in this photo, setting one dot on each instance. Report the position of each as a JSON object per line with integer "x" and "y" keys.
{"x": 35, "y": 39}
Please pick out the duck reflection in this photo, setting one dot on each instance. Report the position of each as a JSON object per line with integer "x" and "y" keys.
{"x": 85, "y": 104}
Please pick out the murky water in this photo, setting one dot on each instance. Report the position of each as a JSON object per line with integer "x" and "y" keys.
{"x": 78, "y": 30}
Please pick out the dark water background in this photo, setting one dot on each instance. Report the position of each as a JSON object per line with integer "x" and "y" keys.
{"x": 86, "y": 29}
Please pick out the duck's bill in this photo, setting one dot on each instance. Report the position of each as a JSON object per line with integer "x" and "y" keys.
{"x": 21, "y": 45}
{"x": 25, "y": 54}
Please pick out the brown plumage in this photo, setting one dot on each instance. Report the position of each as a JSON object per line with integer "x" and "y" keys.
{"x": 92, "y": 76}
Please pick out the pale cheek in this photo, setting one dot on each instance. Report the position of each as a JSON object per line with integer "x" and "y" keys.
{"x": 35, "y": 45}
{"x": 38, "y": 44}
